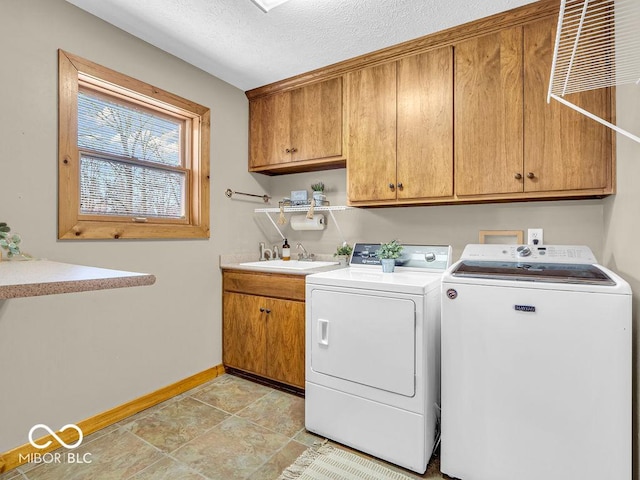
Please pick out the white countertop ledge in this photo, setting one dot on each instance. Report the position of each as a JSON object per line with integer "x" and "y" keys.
{"x": 42, "y": 277}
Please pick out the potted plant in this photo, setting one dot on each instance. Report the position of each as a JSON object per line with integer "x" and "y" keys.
{"x": 343, "y": 252}
{"x": 387, "y": 253}
{"x": 9, "y": 241}
{"x": 318, "y": 192}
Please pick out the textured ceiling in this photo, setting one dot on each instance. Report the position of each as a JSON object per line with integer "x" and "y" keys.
{"x": 237, "y": 42}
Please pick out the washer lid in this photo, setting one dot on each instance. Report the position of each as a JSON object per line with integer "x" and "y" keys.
{"x": 533, "y": 272}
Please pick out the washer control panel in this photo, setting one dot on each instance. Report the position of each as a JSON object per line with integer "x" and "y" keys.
{"x": 532, "y": 253}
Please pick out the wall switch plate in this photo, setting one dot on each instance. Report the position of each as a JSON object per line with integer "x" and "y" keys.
{"x": 534, "y": 236}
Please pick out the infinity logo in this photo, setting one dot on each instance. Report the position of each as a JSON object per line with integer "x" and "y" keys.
{"x": 53, "y": 434}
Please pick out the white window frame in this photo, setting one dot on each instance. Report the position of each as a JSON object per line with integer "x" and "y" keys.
{"x": 76, "y": 73}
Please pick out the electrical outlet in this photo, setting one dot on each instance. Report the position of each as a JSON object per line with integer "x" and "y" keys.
{"x": 534, "y": 236}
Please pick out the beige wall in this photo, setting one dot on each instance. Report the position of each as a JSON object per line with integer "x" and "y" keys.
{"x": 622, "y": 227}
{"x": 65, "y": 358}
{"x": 564, "y": 222}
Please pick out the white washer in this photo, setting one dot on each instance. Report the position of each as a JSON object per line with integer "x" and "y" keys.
{"x": 536, "y": 366}
{"x": 372, "y": 353}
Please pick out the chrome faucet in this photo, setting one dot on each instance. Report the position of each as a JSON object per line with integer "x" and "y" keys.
{"x": 265, "y": 251}
{"x": 304, "y": 256}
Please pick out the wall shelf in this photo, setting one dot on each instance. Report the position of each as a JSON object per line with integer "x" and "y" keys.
{"x": 304, "y": 209}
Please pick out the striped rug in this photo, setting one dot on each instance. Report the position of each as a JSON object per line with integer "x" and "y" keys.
{"x": 324, "y": 462}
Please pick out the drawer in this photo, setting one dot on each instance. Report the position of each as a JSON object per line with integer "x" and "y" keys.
{"x": 291, "y": 287}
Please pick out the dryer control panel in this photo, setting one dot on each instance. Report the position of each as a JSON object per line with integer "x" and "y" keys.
{"x": 429, "y": 257}
{"x": 567, "y": 254}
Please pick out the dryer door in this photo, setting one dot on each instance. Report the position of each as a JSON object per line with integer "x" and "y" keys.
{"x": 364, "y": 339}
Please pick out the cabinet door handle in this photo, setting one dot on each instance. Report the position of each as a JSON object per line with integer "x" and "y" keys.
{"x": 268, "y": 311}
{"x": 400, "y": 186}
{"x": 531, "y": 175}
{"x": 261, "y": 309}
{"x": 294, "y": 150}
{"x": 392, "y": 186}
{"x": 518, "y": 176}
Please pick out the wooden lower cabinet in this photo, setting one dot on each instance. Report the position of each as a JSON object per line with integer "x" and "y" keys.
{"x": 264, "y": 335}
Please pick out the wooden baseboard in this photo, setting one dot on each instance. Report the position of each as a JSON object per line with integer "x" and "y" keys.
{"x": 17, "y": 456}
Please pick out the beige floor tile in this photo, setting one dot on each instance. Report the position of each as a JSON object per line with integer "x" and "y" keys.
{"x": 178, "y": 423}
{"x": 232, "y": 450}
{"x": 277, "y": 411}
{"x": 115, "y": 456}
{"x": 11, "y": 475}
{"x": 279, "y": 462}
{"x": 230, "y": 393}
{"x": 307, "y": 438}
{"x": 167, "y": 469}
{"x": 146, "y": 412}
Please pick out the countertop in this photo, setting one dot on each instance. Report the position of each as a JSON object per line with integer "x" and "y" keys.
{"x": 42, "y": 277}
{"x": 233, "y": 261}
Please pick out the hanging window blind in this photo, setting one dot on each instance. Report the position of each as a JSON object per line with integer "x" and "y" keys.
{"x": 131, "y": 161}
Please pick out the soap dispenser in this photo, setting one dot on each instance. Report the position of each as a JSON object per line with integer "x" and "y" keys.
{"x": 286, "y": 250}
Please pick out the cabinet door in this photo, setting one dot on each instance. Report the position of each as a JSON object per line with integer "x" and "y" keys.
{"x": 371, "y": 121}
{"x": 269, "y": 137}
{"x": 285, "y": 341}
{"x": 316, "y": 121}
{"x": 243, "y": 332}
{"x": 425, "y": 125}
{"x": 488, "y": 114}
{"x": 563, "y": 150}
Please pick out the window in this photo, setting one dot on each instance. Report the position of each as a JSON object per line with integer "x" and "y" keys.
{"x": 133, "y": 159}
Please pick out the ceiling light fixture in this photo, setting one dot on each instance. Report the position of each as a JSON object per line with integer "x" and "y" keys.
{"x": 266, "y": 5}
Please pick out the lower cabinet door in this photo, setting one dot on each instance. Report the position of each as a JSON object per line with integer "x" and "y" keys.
{"x": 285, "y": 341}
{"x": 244, "y": 332}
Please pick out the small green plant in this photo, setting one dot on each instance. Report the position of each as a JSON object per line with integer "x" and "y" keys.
{"x": 318, "y": 187}
{"x": 392, "y": 249}
{"x": 9, "y": 241}
{"x": 344, "y": 249}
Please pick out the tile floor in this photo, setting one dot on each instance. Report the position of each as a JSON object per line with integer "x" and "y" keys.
{"x": 229, "y": 428}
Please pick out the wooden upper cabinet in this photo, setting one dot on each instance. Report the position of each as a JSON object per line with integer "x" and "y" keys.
{"x": 425, "y": 125}
{"x": 459, "y": 116}
{"x": 488, "y": 114}
{"x": 563, "y": 149}
{"x": 400, "y": 124}
{"x": 300, "y": 125}
{"x": 509, "y": 140}
{"x": 371, "y": 123}
{"x": 269, "y": 130}
{"x": 316, "y": 121}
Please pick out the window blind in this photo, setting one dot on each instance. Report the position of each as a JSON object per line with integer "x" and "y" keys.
{"x": 110, "y": 186}
{"x": 127, "y": 130}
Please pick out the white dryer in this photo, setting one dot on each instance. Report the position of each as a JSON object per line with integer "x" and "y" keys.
{"x": 372, "y": 353}
{"x": 536, "y": 366}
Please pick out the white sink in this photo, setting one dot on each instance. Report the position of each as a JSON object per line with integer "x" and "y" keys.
{"x": 289, "y": 264}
